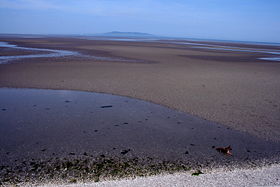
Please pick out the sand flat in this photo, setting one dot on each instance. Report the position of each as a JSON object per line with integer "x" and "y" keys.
{"x": 220, "y": 98}
{"x": 242, "y": 93}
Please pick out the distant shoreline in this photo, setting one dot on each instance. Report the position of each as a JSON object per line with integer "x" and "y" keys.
{"x": 203, "y": 45}
{"x": 146, "y": 35}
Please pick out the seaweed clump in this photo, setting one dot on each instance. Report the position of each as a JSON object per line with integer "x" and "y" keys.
{"x": 84, "y": 169}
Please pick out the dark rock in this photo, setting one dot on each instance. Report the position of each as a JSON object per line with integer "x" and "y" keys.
{"x": 73, "y": 181}
{"x": 107, "y": 106}
{"x": 198, "y": 172}
{"x": 125, "y": 151}
{"x": 96, "y": 179}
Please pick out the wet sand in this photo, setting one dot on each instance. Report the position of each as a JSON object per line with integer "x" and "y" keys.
{"x": 59, "y": 136}
{"x": 45, "y": 53}
{"x": 9, "y": 52}
{"x": 235, "y": 89}
{"x": 234, "y": 96}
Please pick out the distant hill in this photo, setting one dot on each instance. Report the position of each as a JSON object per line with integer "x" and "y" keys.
{"x": 126, "y": 34}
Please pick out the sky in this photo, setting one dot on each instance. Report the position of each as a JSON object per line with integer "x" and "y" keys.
{"x": 244, "y": 20}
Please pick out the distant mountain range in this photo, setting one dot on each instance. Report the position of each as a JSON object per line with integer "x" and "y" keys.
{"x": 125, "y": 34}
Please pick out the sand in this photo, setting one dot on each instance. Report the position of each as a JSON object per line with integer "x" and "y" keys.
{"x": 265, "y": 176}
{"x": 232, "y": 95}
{"x": 234, "y": 89}
{"x": 111, "y": 136}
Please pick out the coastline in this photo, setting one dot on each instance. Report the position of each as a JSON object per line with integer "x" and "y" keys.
{"x": 95, "y": 137}
{"x": 238, "y": 177}
{"x": 237, "y": 91}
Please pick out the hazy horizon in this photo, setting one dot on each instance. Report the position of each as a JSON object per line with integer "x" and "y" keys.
{"x": 239, "y": 20}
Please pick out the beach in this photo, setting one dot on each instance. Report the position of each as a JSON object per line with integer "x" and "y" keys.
{"x": 266, "y": 176}
{"x": 233, "y": 95}
{"x": 235, "y": 90}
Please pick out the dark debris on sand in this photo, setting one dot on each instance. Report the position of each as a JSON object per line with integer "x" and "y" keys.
{"x": 107, "y": 106}
{"x": 125, "y": 151}
{"x": 83, "y": 169}
{"x": 198, "y": 172}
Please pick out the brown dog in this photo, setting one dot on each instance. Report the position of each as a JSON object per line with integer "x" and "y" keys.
{"x": 225, "y": 150}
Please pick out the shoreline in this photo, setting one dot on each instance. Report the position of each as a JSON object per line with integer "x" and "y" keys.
{"x": 180, "y": 142}
{"x": 233, "y": 91}
{"x": 237, "y": 177}
{"x": 236, "y": 83}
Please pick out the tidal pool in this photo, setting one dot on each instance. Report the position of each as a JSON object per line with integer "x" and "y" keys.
{"x": 50, "y": 53}
{"x": 233, "y": 49}
{"x": 63, "y": 121}
{"x": 48, "y": 135}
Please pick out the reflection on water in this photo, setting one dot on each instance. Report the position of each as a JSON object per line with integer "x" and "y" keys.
{"x": 271, "y": 58}
{"x": 50, "y": 53}
{"x": 38, "y": 124}
{"x": 61, "y": 53}
{"x": 200, "y": 45}
{"x": 234, "y": 49}
{"x": 55, "y": 53}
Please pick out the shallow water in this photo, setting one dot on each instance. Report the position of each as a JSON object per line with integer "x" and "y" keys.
{"x": 61, "y": 122}
{"x": 70, "y": 130}
{"x": 51, "y": 53}
{"x": 202, "y": 46}
{"x": 234, "y": 49}
{"x": 271, "y": 58}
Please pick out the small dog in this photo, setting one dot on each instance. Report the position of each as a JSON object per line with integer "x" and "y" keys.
{"x": 225, "y": 150}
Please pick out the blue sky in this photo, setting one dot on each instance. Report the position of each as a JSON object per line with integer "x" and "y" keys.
{"x": 248, "y": 20}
